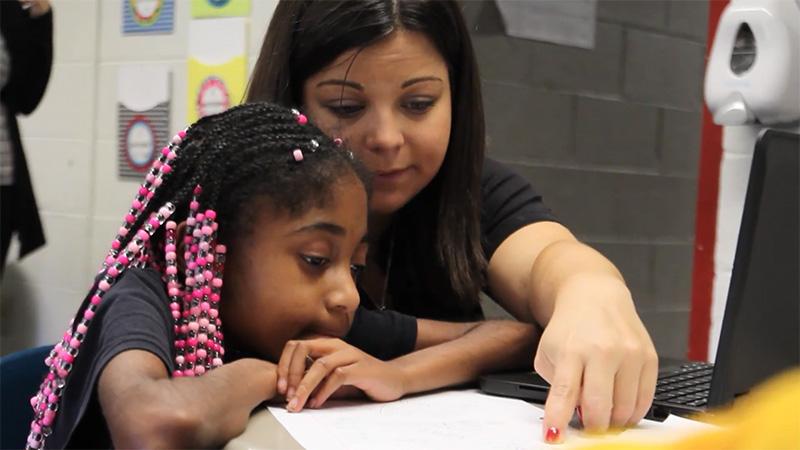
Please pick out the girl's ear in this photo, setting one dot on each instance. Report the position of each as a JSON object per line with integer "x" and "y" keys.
{"x": 180, "y": 232}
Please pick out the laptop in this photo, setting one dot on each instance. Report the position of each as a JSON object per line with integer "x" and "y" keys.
{"x": 760, "y": 333}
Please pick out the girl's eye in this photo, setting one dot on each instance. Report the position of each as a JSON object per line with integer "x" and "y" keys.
{"x": 315, "y": 261}
{"x": 357, "y": 270}
{"x": 344, "y": 110}
{"x": 418, "y": 106}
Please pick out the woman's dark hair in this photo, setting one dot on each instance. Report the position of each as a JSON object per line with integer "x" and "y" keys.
{"x": 304, "y": 37}
{"x": 215, "y": 177}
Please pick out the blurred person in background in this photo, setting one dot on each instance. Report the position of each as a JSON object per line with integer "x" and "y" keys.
{"x": 26, "y": 58}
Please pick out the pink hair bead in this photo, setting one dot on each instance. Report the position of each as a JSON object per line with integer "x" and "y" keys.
{"x": 176, "y": 315}
{"x": 136, "y": 204}
{"x": 200, "y": 217}
{"x": 172, "y": 270}
{"x": 191, "y": 357}
{"x": 202, "y": 338}
{"x": 197, "y": 232}
{"x": 115, "y": 245}
{"x": 154, "y": 223}
{"x": 194, "y": 248}
{"x": 143, "y": 191}
{"x": 209, "y": 258}
{"x": 217, "y": 362}
{"x": 177, "y": 374}
{"x": 103, "y": 285}
{"x": 211, "y": 328}
{"x": 211, "y": 214}
{"x": 188, "y": 373}
{"x": 181, "y": 134}
{"x": 109, "y": 260}
{"x": 203, "y": 322}
{"x": 123, "y": 260}
{"x": 112, "y": 271}
{"x": 170, "y": 247}
{"x": 302, "y": 119}
{"x": 190, "y": 281}
{"x": 170, "y": 256}
{"x": 96, "y": 300}
{"x": 171, "y": 225}
{"x": 122, "y": 231}
{"x": 149, "y": 177}
{"x": 88, "y": 314}
{"x": 164, "y": 211}
{"x": 206, "y": 230}
{"x": 191, "y": 342}
{"x": 67, "y": 357}
{"x": 157, "y": 164}
{"x": 214, "y": 297}
{"x": 206, "y": 290}
{"x": 201, "y": 353}
{"x": 141, "y": 234}
{"x": 205, "y": 306}
{"x": 171, "y": 156}
{"x": 194, "y": 326}
{"x": 338, "y": 142}
{"x": 129, "y": 218}
{"x": 216, "y": 282}
{"x": 198, "y": 190}
{"x": 180, "y": 359}
{"x": 297, "y": 154}
{"x": 82, "y": 329}
{"x": 156, "y": 183}
{"x": 199, "y": 370}
{"x": 213, "y": 313}
{"x": 52, "y": 398}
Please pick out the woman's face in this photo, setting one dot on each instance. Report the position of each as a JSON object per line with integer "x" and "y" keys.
{"x": 390, "y": 103}
{"x": 293, "y": 276}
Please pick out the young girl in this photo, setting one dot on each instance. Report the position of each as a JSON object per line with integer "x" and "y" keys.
{"x": 262, "y": 197}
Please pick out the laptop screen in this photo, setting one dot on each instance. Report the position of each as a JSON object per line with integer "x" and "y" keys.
{"x": 760, "y": 333}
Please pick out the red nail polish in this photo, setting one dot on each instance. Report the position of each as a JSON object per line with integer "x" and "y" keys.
{"x": 552, "y": 435}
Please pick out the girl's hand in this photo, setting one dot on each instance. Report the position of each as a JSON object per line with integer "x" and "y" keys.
{"x": 310, "y": 371}
{"x": 597, "y": 356}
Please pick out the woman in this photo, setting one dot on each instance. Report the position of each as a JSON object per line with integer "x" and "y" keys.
{"x": 397, "y": 82}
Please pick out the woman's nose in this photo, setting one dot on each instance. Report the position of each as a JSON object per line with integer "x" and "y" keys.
{"x": 385, "y": 132}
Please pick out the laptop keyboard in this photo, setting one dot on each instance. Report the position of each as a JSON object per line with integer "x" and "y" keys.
{"x": 687, "y": 385}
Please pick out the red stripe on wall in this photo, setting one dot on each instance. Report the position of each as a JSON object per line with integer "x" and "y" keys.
{"x": 706, "y": 217}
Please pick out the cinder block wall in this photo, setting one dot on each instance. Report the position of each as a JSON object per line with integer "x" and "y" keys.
{"x": 611, "y": 138}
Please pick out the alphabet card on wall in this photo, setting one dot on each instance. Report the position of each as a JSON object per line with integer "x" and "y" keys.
{"x": 220, "y": 8}
{"x": 217, "y": 69}
{"x": 148, "y": 16}
{"x": 143, "y": 107}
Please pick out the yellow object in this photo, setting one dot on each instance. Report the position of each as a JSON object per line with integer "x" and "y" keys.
{"x": 768, "y": 418}
{"x": 220, "y": 8}
{"x": 214, "y": 88}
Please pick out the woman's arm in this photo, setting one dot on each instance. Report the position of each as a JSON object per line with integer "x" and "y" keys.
{"x": 144, "y": 408}
{"x": 450, "y": 354}
{"x": 594, "y": 351}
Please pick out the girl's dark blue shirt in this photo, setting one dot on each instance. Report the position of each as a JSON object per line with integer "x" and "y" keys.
{"x": 135, "y": 314}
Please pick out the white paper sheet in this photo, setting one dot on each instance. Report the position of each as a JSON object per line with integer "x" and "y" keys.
{"x": 464, "y": 419}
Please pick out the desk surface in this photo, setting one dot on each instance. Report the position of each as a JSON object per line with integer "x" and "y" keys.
{"x": 263, "y": 432}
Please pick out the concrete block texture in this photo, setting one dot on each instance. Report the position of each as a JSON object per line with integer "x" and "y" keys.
{"x": 616, "y": 134}
{"x": 644, "y": 13}
{"x": 601, "y": 204}
{"x": 527, "y": 124}
{"x": 679, "y": 148}
{"x": 663, "y": 70}
{"x": 690, "y": 18}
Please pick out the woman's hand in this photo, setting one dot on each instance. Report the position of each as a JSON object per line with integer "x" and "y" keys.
{"x": 597, "y": 356}
{"x": 310, "y": 371}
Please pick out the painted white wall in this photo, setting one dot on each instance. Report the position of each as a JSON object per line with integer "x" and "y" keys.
{"x": 70, "y": 144}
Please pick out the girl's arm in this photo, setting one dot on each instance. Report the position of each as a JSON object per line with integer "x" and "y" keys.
{"x": 594, "y": 350}
{"x": 145, "y": 408}
{"x": 449, "y": 354}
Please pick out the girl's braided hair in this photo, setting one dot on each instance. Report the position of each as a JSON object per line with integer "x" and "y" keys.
{"x": 225, "y": 163}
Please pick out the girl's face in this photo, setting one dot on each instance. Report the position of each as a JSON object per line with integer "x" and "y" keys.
{"x": 390, "y": 103}
{"x": 293, "y": 276}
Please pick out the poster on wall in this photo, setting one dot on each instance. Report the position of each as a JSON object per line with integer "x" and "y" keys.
{"x": 143, "y": 106}
{"x": 148, "y": 16}
{"x": 217, "y": 68}
{"x": 220, "y": 8}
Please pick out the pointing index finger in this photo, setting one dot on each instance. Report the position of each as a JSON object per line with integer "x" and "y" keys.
{"x": 562, "y": 398}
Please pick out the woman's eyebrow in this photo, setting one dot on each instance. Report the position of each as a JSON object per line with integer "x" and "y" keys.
{"x": 347, "y": 83}
{"x": 411, "y": 81}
